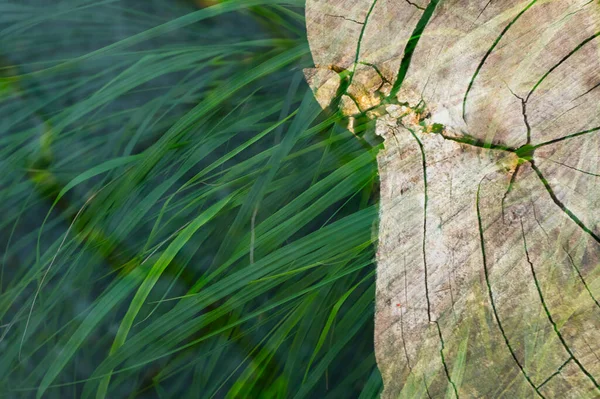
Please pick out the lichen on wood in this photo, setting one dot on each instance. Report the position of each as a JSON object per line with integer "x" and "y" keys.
{"x": 488, "y": 260}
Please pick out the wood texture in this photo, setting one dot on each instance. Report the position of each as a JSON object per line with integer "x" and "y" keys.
{"x": 488, "y": 277}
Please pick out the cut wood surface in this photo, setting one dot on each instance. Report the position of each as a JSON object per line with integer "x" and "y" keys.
{"x": 488, "y": 274}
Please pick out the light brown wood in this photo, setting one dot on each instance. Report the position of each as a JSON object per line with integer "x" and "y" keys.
{"x": 488, "y": 277}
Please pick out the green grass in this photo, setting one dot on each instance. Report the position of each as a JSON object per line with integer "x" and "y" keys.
{"x": 178, "y": 216}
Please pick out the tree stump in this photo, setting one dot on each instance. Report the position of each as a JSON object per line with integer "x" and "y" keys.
{"x": 488, "y": 277}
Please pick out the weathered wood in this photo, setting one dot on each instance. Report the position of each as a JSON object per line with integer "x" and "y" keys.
{"x": 488, "y": 277}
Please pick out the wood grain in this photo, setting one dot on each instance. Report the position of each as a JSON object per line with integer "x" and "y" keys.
{"x": 488, "y": 277}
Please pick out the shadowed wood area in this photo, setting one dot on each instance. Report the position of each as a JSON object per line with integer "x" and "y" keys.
{"x": 488, "y": 277}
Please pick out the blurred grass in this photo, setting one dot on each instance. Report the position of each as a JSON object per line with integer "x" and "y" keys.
{"x": 179, "y": 218}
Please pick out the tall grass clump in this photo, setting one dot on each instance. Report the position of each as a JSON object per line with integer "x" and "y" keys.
{"x": 178, "y": 216}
